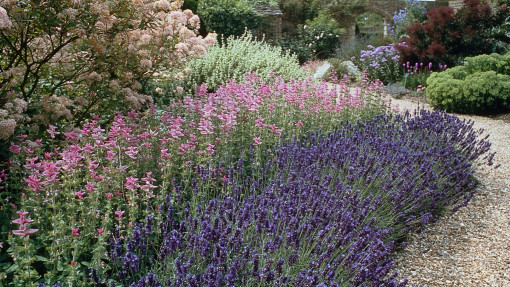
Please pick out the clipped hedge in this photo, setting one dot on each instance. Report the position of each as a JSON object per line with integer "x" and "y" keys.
{"x": 481, "y": 85}
{"x": 236, "y": 58}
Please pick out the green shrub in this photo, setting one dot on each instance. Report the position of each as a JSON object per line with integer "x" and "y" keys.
{"x": 316, "y": 39}
{"x": 228, "y": 17}
{"x": 322, "y": 34}
{"x": 190, "y": 4}
{"x": 494, "y": 62}
{"x": 236, "y": 58}
{"x": 481, "y": 85}
{"x": 295, "y": 45}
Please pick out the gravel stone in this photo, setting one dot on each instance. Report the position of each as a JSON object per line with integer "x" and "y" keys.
{"x": 472, "y": 246}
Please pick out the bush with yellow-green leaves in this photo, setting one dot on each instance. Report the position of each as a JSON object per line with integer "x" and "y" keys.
{"x": 481, "y": 85}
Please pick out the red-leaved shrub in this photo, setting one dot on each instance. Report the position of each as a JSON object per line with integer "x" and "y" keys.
{"x": 447, "y": 36}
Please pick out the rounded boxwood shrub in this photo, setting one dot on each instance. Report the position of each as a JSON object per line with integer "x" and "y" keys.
{"x": 481, "y": 85}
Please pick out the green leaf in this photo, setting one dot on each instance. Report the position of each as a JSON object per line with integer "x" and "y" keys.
{"x": 40, "y": 258}
{"x": 13, "y": 268}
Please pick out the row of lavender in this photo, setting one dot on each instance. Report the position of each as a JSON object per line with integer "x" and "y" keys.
{"x": 331, "y": 213}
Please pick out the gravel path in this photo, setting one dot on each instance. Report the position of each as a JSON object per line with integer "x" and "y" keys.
{"x": 472, "y": 246}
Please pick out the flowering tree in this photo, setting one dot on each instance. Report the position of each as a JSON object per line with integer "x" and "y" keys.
{"x": 61, "y": 60}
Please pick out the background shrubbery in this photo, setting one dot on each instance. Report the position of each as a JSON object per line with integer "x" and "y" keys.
{"x": 228, "y": 17}
{"x": 481, "y": 85}
{"x": 318, "y": 38}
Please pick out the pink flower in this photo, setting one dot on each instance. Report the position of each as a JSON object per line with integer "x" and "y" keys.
{"x": 257, "y": 141}
{"x": 132, "y": 152}
{"x": 75, "y": 231}
{"x": 90, "y": 186}
{"x": 119, "y": 214}
{"x": 109, "y": 195}
{"x": 165, "y": 154}
{"x": 16, "y": 149}
{"x": 131, "y": 183}
{"x": 100, "y": 231}
{"x": 70, "y": 136}
{"x": 299, "y": 123}
{"x": 22, "y": 220}
{"x": 205, "y": 127}
{"x": 22, "y": 137}
{"x": 52, "y": 131}
{"x": 80, "y": 194}
{"x": 34, "y": 182}
{"x": 210, "y": 148}
{"x": 260, "y": 123}
{"x": 23, "y": 231}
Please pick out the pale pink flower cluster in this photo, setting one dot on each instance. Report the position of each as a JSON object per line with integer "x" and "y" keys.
{"x": 162, "y": 37}
{"x": 5, "y": 22}
{"x": 11, "y": 115}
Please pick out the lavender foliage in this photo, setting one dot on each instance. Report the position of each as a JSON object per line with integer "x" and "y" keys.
{"x": 330, "y": 213}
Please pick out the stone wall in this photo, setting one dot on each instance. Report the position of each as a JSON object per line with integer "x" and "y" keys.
{"x": 271, "y": 28}
{"x": 275, "y": 23}
{"x": 456, "y": 4}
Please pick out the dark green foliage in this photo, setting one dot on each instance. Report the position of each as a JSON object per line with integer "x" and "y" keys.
{"x": 228, "y": 17}
{"x": 190, "y": 4}
{"x": 323, "y": 35}
{"x": 481, "y": 85}
{"x": 296, "y": 46}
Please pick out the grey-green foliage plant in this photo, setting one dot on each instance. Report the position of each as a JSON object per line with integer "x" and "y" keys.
{"x": 240, "y": 55}
{"x": 481, "y": 85}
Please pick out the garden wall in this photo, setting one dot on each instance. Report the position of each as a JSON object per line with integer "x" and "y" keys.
{"x": 271, "y": 28}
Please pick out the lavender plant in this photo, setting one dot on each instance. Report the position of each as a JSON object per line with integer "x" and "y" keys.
{"x": 332, "y": 211}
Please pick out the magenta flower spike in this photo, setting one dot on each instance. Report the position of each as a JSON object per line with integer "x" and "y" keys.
{"x": 119, "y": 214}
{"x": 23, "y": 231}
{"x": 23, "y": 222}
